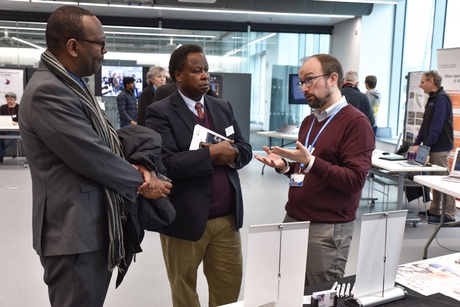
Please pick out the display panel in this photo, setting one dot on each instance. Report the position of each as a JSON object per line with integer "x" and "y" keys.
{"x": 295, "y": 94}
{"x": 110, "y": 79}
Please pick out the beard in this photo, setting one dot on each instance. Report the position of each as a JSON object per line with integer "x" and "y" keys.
{"x": 316, "y": 102}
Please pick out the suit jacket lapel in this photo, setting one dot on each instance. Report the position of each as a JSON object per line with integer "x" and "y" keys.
{"x": 183, "y": 111}
{"x": 218, "y": 121}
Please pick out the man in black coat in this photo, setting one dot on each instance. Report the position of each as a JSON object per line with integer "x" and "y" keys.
{"x": 354, "y": 96}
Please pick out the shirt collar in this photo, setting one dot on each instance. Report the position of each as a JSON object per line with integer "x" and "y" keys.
{"x": 322, "y": 115}
{"x": 191, "y": 103}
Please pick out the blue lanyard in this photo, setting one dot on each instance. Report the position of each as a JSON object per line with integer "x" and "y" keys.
{"x": 312, "y": 146}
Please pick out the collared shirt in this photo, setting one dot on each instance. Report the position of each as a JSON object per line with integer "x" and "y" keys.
{"x": 320, "y": 116}
{"x": 191, "y": 103}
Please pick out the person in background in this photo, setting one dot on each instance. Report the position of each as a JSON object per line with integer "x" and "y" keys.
{"x": 354, "y": 96}
{"x": 331, "y": 162}
{"x": 11, "y": 108}
{"x": 207, "y": 193}
{"x": 81, "y": 183}
{"x": 374, "y": 97}
{"x": 156, "y": 77}
{"x": 127, "y": 103}
{"x": 437, "y": 132}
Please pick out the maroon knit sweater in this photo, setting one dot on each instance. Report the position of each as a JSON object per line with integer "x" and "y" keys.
{"x": 343, "y": 157}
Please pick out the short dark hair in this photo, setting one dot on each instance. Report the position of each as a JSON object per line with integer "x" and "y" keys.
{"x": 127, "y": 80}
{"x": 65, "y": 23}
{"x": 179, "y": 58}
{"x": 371, "y": 81}
{"x": 330, "y": 65}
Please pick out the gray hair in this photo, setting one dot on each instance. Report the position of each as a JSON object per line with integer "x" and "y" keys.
{"x": 153, "y": 71}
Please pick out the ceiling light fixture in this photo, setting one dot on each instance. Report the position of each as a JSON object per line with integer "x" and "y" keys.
{"x": 27, "y": 43}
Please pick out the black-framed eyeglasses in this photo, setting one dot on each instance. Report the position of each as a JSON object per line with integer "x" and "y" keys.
{"x": 309, "y": 81}
{"x": 102, "y": 44}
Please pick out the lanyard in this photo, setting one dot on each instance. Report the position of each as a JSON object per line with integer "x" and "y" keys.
{"x": 312, "y": 146}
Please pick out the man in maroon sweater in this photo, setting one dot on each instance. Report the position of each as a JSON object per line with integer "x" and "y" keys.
{"x": 333, "y": 157}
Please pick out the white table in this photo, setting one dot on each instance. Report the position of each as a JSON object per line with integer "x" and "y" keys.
{"x": 393, "y": 170}
{"x": 278, "y": 135}
{"x": 443, "y": 186}
{"x": 13, "y": 137}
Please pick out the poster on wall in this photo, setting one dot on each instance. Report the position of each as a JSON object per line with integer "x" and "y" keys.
{"x": 415, "y": 106}
{"x": 11, "y": 80}
{"x": 449, "y": 69}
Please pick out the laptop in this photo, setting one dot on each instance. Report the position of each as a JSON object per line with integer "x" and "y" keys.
{"x": 455, "y": 169}
{"x": 420, "y": 160}
{"x": 285, "y": 128}
{"x": 6, "y": 121}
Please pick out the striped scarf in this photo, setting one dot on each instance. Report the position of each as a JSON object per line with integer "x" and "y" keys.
{"x": 109, "y": 137}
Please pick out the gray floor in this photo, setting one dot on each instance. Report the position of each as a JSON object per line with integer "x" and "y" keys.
{"x": 146, "y": 283}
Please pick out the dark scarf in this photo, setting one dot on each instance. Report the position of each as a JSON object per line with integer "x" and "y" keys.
{"x": 109, "y": 137}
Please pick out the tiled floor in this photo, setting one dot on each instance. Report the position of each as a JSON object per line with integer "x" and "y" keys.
{"x": 146, "y": 284}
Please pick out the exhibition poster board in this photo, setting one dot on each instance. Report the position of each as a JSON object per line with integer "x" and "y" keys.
{"x": 11, "y": 80}
{"x": 449, "y": 68}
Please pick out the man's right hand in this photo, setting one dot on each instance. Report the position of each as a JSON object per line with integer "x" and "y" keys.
{"x": 271, "y": 159}
{"x": 159, "y": 189}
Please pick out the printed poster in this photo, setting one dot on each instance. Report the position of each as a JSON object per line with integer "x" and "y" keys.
{"x": 11, "y": 80}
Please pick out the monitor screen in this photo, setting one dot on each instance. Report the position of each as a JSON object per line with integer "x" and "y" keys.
{"x": 295, "y": 94}
{"x": 111, "y": 79}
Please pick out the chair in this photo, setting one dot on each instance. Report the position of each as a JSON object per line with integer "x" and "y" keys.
{"x": 383, "y": 187}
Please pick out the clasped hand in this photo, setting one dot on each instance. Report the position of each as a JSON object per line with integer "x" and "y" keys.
{"x": 152, "y": 188}
{"x": 222, "y": 153}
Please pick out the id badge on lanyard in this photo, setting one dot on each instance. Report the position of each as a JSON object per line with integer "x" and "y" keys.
{"x": 297, "y": 179}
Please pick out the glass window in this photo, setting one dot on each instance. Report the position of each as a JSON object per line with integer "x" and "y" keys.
{"x": 451, "y": 37}
{"x": 417, "y": 45}
{"x": 269, "y": 57}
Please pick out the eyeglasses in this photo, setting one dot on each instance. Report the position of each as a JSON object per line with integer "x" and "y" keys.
{"x": 102, "y": 44}
{"x": 309, "y": 81}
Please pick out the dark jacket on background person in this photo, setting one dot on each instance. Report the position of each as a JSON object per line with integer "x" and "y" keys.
{"x": 358, "y": 100}
{"x": 437, "y": 132}
{"x": 146, "y": 99}
{"x": 127, "y": 107}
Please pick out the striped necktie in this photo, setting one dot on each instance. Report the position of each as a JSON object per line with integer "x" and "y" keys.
{"x": 199, "y": 110}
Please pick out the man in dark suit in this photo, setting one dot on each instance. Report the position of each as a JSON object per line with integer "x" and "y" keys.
{"x": 354, "y": 96}
{"x": 207, "y": 193}
{"x": 80, "y": 181}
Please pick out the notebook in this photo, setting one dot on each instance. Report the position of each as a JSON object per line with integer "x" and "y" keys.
{"x": 6, "y": 121}
{"x": 392, "y": 157}
{"x": 455, "y": 169}
{"x": 420, "y": 159}
{"x": 285, "y": 128}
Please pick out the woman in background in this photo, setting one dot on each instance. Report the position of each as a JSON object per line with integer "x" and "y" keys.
{"x": 156, "y": 77}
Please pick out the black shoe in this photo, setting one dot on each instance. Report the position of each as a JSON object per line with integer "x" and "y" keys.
{"x": 1, "y": 159}
{"x": 437, "y": 220}
{"x": 426, "y": 213}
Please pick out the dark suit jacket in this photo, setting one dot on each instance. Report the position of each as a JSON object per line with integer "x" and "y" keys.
{"x": 69, "y": 166}
{"x": 359, "y": 101}
{"x": 146, "y": 99}
{"x": 192, "y": 170}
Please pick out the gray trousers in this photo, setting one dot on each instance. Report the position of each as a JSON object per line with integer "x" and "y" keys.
{"x": 441, "y": 159}
{"x": 328, "y": 248}
{"x": 77, "y": 280}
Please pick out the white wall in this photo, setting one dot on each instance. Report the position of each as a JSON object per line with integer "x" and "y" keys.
{"x": 373, "y": 56}
{"x": 346, "y": 42}
{"x": 376, "y": 54}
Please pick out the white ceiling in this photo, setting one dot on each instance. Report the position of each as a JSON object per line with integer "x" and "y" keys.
{"x": 183, "y": 13}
